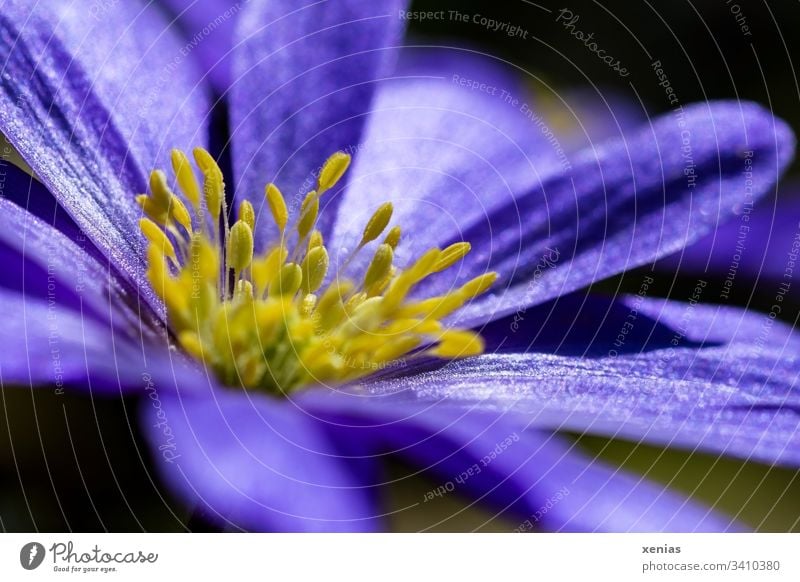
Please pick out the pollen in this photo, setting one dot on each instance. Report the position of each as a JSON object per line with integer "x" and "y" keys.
{"x": 286, "y": 318}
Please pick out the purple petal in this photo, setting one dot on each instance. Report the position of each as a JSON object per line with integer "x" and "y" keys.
{"x": 584, "y": 118}
{"x": 46, "y": 343}
{"x": 41, "y": 262}
{"x": 719, "y": 380}
{"x": 538, "y": 477}
{"x": 624, "y": 204}
{"x": 446, "y": 148}
{"x": 207, "y": 27}
{"x": 759, "y": 241}
{"x": 259, "y": 464}
{"x": 304, "y": 78}
{"x": 93, "y": 101}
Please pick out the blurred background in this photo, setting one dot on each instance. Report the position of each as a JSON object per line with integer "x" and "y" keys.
{"x": 70, "y": 463}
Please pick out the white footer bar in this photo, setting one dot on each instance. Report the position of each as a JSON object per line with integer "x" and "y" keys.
{"x": 406, "y": 557}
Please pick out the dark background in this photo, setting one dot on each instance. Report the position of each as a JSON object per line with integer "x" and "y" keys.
{"x": 77, "y": 464}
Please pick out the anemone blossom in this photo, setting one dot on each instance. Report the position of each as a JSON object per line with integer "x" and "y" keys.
{"x": 426, "y": 303}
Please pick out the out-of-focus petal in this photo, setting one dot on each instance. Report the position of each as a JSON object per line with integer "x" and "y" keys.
{"x": 537, "y": 477}
{"x": 259, "y": 464}
{"x": 447, "y": 148}
{"x": 624, "y": 204}
{"x": 584, "y": 118}
{"x": 304, "y": 76}
{"x": 760, "y": 241}
{"x": 44, "y": 263}
{"x": 207, "y": 27}
{"x": 47, "y": 343}
{"x": 93, "y": 96}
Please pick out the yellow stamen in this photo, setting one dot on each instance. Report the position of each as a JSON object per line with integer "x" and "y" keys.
{"x": 158, "y": 237}
{"x": 380, "y": 219}
{"x": 262, "y": 322}
{"x": 451, "y": 255}
{"x": 288, "y": 280}
{"x": 277, "y": 206}
{"x": 332, "y": 171}
{"x": 478, "y": 285}
{"x": 248, "y": 214}
{"x": 179, "y": 214}
{"x": 393, "y": 238}
{"x": 458, "y": 344}
{"x": 240, "y": 246}
{"x": 315, "y": 267}
{"x": 213, "y": 182}
{"x": 185, "y": 175}
{"x": 315, "y": 240}
{"x": 308, "y": 214}
{"x": 380, "y": 266}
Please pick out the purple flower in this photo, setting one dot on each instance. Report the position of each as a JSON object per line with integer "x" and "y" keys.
{"x": 93, "y": 102}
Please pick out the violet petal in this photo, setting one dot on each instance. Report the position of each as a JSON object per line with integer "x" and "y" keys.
{"x": 256, "y": 463}
{"x": 44, "y": 263}
{"x": 761, "y": 241}
{"x": 207, "y": 28}
{"x": 711, "y": 379}
{"x": 539, "y": 478}
{"x": 304, "y": 78}
{"x": 624, "y": 204}
{"x": 445, "y": 148}
{"x": 93, "y": 102}
{"x": 48, "y": 344}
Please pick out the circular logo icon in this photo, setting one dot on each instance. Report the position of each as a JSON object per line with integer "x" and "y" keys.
{"x": 31, "y": 555}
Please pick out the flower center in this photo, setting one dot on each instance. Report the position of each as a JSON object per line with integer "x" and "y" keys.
{"x": 279, "y": 320}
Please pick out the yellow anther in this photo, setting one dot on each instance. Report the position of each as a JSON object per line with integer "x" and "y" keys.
{"x": 240, "y": 246}
{"x": 315, "y": 267}
{"x": 266, "y": 268}
{"x": 393, "y": 238}
{"x": 332, "y": 171}
{"x": 458, "y": 344}
{"x": 190, "y": 341}
{"x": 203, "y": 261}
{"x": 167, "y": 288}
{"x": 308, "y": 214}
{"x": 277, "y": 325}
{"x": 478, "y": 285}
{"x": 179, "y": 214}
{"x": 364, "y": 317}
{"x": 154, "y": 211}
{"x": 433, "y": 308}
{"x": 403, "y": 283}
{"x": 157, "y": 236}
{"x": 418, "y": 326}
{"x": 243, "y": 291}
{"x": 248, "y": 214}
{"x": 213, "y": 181}
{"x": 309, "y": 302}
{"x": 396, "y": 348}
{"x": 185, "y": 176}
{"x": 277, "y": 205}
{"x": 380, "y": 219}
{"x": 160, "y": 191}
{"x": 424, "y": 265}
{"x": 315, "y": 240}
{"x": 380, "y": 267}
{"x": 336, "y": 292}
{"x": 288, "y": 280}
{"x": 451, "y": 255}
